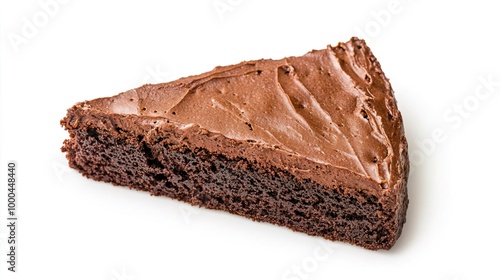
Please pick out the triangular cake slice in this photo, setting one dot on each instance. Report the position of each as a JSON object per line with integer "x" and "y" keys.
{"x": 314, "y": 143}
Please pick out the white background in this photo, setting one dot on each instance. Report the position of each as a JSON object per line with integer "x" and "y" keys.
{"x": 437, "y": 55}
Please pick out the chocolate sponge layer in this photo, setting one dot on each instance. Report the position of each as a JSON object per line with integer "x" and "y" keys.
{"x": 239, "y": 186}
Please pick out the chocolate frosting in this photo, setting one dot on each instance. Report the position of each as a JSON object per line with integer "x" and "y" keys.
{"x": 332, "y": 106}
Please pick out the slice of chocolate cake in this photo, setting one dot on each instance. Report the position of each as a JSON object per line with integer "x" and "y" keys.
{"x": 314, "y": 143}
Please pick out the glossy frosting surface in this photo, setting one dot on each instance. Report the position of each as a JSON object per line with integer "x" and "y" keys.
{"x": 332, "y": 106}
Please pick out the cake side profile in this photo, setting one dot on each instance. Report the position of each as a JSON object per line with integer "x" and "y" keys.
{"x": 314, "y": 143}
